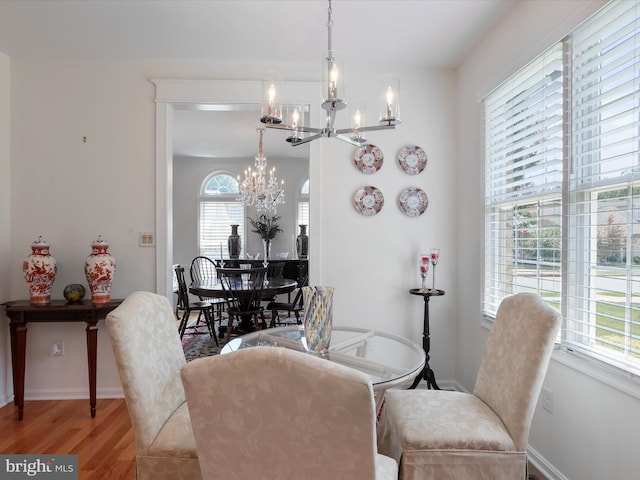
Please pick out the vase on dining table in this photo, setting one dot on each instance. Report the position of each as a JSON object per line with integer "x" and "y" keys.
{"x": 318, "y": 317}
{"x": 266, "y": 246}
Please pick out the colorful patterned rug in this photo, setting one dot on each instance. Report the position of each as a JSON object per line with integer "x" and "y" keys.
{"x": 199, "y": 344}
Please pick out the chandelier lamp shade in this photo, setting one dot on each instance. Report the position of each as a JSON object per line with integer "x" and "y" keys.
{"x": 291, "y": 117}
{"x": 259, "y": 189}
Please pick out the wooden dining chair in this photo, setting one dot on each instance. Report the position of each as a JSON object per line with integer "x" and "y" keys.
{"x": 295, "y": 307}
{"x": 204, "y": 269}
{"x": 185, "y": 306}
{"x": 274, "y": 270}
{"x": 243, "y": 291}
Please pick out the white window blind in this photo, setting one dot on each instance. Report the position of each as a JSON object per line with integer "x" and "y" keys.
{"x": 219, "y": 209}
{"x": 303, "y": 204}
{"x": 523, "y": 182}
{"x": 602, "y": 314}
{"x": 562, "y": 186}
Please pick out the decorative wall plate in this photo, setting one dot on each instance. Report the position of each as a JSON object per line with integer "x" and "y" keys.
{"x": 368, "y": 158}
{"x": 412, "y": 159}
{"x": 413, "y": 201}
{"x": 368, "y": 201}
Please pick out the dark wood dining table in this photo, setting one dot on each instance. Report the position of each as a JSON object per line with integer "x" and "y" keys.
{"x": 272, "y": 287}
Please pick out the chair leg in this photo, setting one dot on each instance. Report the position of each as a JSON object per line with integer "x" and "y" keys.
{"x": 212, "y": 325}
{"x": 229, "y": 328}
{"x": 208, "y": 321}
{"x": 274, "y": 318}
{"x": 183, "y": 323}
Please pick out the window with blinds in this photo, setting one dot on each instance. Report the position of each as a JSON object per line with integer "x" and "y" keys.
{"x": 218, "y": 210}
{"x": 303, "y": 204}
{"x": 523, "y": 183}
{"x": 562, "y": 186}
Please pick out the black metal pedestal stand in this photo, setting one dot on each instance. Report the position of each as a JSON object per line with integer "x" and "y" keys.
{"x": 426, "y": 373}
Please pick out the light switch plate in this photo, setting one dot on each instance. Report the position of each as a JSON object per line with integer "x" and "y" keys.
{"x": 147, "y": 239}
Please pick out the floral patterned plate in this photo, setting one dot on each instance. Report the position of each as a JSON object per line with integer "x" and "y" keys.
{"x": 368, "y": 158}
{"x": 368, "y": 201}
{"x": 412, "y": 159}
{"x": 413, "y": 201}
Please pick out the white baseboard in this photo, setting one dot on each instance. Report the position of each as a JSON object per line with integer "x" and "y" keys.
{"x": 548, "y": 470}
{"x": 5, "y": 400}
{"x": 71, "y": 394}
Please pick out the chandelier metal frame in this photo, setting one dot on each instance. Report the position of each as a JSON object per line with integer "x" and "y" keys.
{"x": 271, "y": 115}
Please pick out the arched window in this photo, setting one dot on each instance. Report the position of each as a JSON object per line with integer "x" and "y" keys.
{"x": 219, "y": 209}
{"x": 303, "y": 204}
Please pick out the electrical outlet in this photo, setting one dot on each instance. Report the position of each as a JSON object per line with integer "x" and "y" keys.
{"x": 57, "y": 349}
{"x": 547, "y": 400}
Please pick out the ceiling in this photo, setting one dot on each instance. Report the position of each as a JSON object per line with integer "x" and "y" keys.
{"x": 414, "y": 33}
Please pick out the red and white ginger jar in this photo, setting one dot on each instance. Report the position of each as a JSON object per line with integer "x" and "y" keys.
{"x": 99, "y": 269}
{"x": 39, "y": 271}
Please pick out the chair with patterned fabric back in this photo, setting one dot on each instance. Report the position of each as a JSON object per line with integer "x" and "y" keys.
{"x": 452, "y": 435}
{"x": 247, "y": 427}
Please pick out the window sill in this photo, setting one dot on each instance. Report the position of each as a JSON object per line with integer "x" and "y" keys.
{"x": 606, "y": 374}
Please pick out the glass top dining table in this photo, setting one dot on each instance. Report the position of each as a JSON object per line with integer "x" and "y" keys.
{"x": 390, "y": 360}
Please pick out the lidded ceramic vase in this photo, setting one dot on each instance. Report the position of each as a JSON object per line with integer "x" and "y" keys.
{"x": 302, "y": 243}
{"x": 233, "y": 242}
{"x": 99, "y": 269}
{"x": 39, "y": 271}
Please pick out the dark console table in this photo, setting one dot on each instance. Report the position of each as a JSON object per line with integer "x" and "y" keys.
{"x": 21, "y": 312}
{"x": 427, "y": 373}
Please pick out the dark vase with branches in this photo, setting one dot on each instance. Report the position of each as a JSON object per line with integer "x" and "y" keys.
{"x": 267, "y": 227}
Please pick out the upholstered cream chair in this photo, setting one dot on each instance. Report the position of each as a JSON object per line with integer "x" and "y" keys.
{"x": 437, "y": 434}
{"x": 149, "y": 356}
{"x": 270, "y": 413}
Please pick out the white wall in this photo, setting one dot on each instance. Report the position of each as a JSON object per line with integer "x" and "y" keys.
{"x": 594, "y": 427}
{"x": 70, "y": 191}
{"x": 5, "y": 223}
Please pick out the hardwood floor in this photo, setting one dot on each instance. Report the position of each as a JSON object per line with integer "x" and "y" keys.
{"x": 104, "y": 444}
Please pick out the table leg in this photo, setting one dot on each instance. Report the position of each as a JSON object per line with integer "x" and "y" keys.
{"x": 92, "y": 355}
{"x": 427, "y": 372}
{"x": 246, "y": 324}
{"x": 18, "y": 333}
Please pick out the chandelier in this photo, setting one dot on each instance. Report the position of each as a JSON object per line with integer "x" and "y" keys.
{"x": 332, "y": 88}
{"x": 258, "y": 190}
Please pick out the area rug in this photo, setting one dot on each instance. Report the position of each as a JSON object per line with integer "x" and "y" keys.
{"x": 199, "y": 344}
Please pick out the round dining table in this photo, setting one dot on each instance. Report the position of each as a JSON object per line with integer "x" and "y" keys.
{"x": 391, "y": 361}
{"x": 271, "y": 288}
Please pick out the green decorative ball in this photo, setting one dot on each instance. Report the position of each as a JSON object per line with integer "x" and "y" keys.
{"x": 74, "y": 292}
